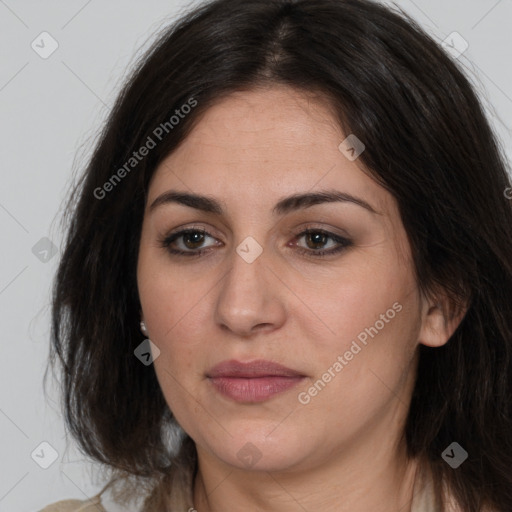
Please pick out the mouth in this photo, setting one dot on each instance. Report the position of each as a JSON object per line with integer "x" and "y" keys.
{"x": 254, "y": 381}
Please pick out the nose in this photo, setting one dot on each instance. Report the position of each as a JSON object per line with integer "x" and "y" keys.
{"x": 250, "y": 299}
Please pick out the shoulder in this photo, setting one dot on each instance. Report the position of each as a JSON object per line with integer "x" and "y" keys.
{"x": 91, "y": 505}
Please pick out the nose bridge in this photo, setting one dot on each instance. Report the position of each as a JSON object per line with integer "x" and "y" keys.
{"x": 244, "y": 281}
{"x": 247, "y": 298}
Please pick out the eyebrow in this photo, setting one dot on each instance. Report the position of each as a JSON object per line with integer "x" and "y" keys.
{"x": 284, "y": 206}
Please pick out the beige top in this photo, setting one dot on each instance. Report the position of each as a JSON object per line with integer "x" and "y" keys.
{"x": 423, "y": 501}
{"x": 91, "y": 505}
{"x": 425, "y": 504}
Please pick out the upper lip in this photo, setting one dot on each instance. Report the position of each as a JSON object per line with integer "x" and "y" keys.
{"x": 252, "y": 369}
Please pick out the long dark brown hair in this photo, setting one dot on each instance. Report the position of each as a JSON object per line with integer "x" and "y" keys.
{"x": 428, "y": 142}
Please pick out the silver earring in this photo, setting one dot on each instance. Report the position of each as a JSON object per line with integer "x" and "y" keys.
{"x": 143, "y": 328}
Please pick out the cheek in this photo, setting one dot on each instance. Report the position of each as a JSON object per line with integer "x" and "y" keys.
{"x": 173, "y": 303}
{"x": 356, "y": 299}
{"x": 364, "y": 364}
{"x": 172, "y": 307}
{"x": 363, "y": 373}
{"x": 373, "y": 320}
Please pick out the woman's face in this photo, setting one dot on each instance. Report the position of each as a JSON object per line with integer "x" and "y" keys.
{"x": 345, "y": 324}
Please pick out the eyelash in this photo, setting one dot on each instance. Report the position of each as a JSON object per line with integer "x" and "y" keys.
{"x": 169, "y": 239}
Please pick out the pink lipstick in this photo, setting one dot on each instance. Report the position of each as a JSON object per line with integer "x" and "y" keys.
{"x": 255, "y": 381}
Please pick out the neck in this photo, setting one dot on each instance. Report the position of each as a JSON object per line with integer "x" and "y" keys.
{"x": 354, "y": 481}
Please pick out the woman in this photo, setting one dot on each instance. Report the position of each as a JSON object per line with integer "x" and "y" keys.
{"x": 287, "y": 281}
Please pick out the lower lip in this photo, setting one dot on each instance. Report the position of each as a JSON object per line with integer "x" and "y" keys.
{"x": 257, "y": 389}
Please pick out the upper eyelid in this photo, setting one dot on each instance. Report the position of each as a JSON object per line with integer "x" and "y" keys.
{"x": 206, "y": 231}
{"x": 305, "y": 226}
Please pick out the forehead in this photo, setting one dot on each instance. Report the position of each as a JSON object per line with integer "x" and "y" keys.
{"x": 269, "y": 142}
{"x": 269, "y": 117}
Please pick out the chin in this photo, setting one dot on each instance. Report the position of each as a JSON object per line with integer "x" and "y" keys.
{"x": 259, "y": 451}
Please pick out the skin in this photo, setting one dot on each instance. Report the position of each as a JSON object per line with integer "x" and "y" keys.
{"x": 343, "y": 450}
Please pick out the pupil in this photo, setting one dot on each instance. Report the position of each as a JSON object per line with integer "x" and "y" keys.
{"x": 318, "y": 238}
{"x": 198, "y": 237}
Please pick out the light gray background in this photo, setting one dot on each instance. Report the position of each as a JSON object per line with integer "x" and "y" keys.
{"x": 50, "y": 111}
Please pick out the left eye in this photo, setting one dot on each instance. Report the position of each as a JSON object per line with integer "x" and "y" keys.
{"x": 318, "y": 238}
{"x": 315, "y": 237}
{"x": 192, "y": 240}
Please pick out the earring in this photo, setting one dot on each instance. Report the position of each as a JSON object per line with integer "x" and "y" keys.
{"x": 143, "y": 328}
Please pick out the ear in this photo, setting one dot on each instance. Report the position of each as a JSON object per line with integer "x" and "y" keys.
{"x": 440, "y": 318}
